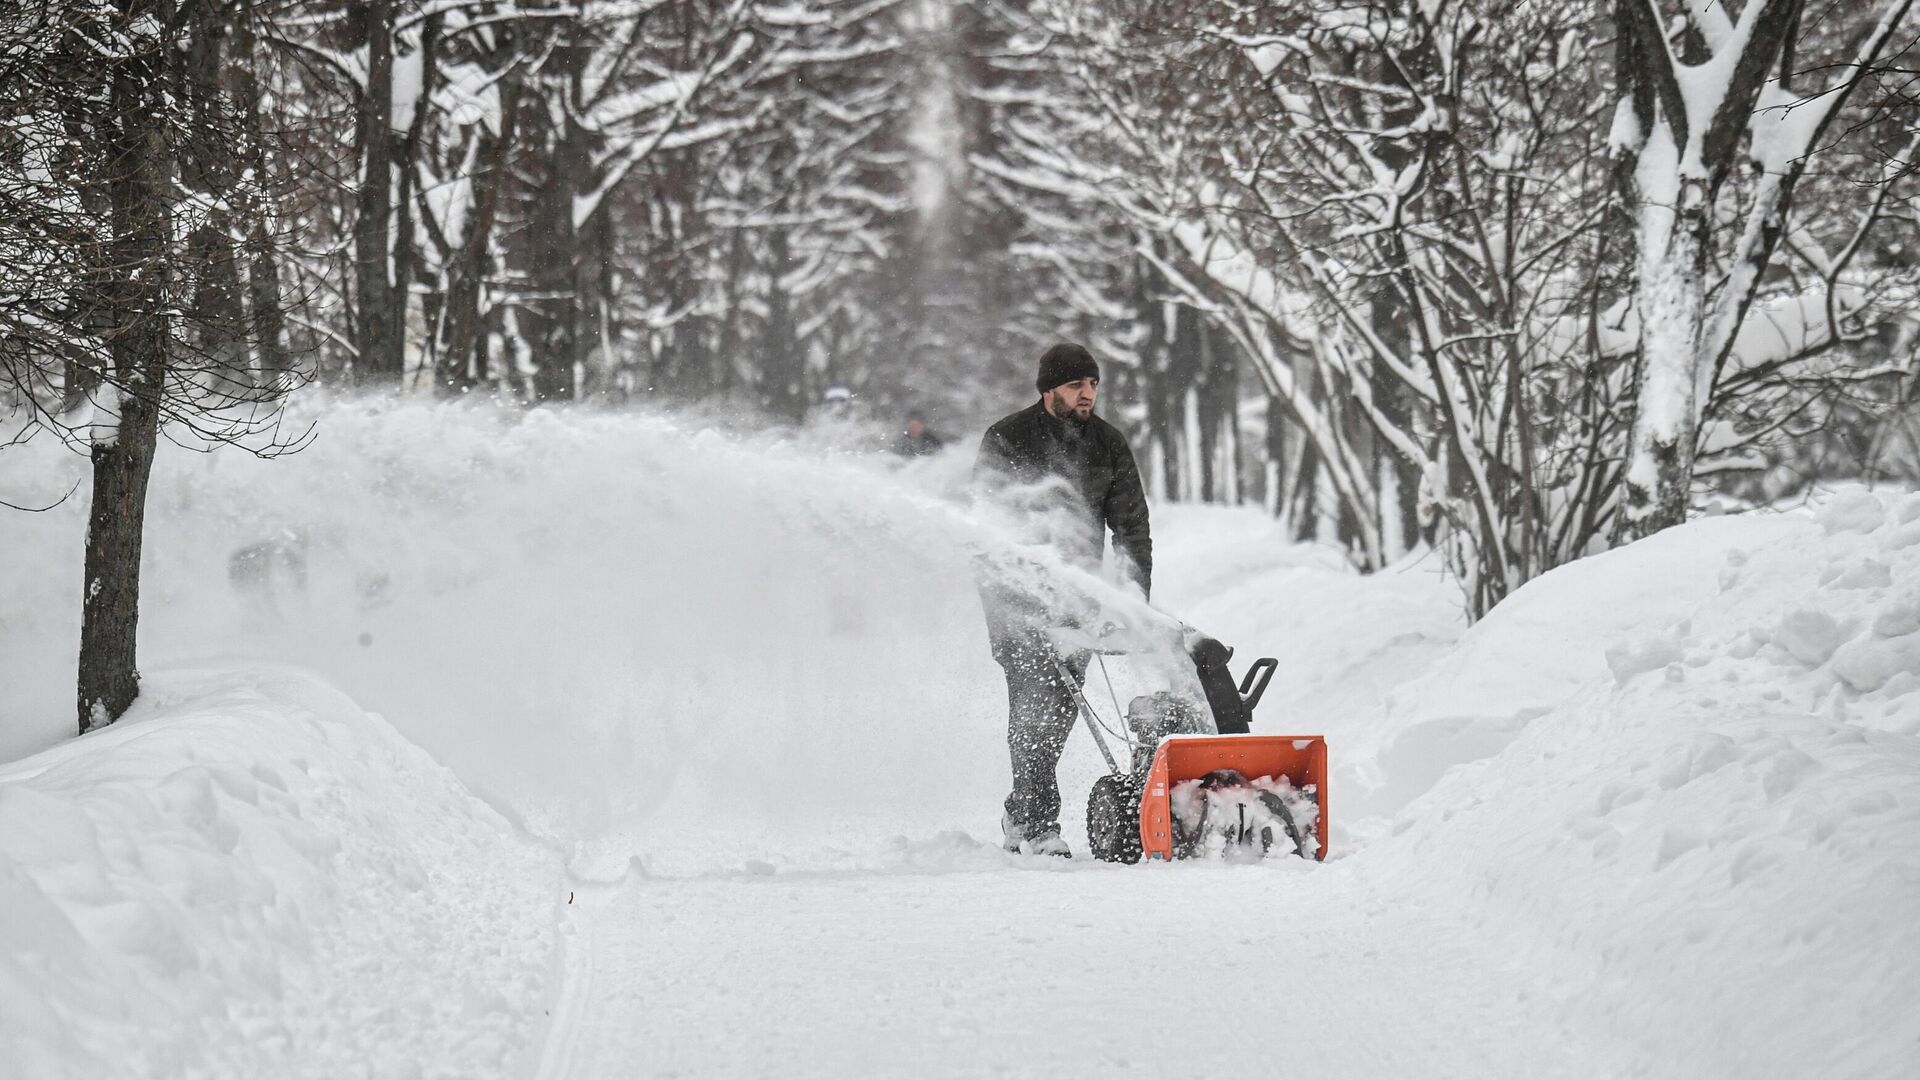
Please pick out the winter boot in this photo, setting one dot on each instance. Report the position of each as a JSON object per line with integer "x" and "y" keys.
{"x": 1048, "y": 843}
{"x": 1015, "y": 839}
{"x": 1011, "y": 835}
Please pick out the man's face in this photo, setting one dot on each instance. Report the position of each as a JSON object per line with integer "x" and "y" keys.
{"x": 1073, "y": 399}
{"x": 915, "y": 428}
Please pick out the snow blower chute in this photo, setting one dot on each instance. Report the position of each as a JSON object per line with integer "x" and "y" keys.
{"x": 1194, "y": 788}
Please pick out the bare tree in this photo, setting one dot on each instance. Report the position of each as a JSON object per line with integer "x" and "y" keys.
{"x": 129, "y": 162}
{"x": 1700, "y": 95}
{"x": 1404, "y": 218}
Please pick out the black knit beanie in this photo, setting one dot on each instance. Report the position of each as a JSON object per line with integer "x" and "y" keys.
{"x": 1064, "y": 363}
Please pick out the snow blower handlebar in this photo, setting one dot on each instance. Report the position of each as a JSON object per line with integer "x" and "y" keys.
{"x": 1086, "y": 713}
{"x": 1254, "y": 685}
{"x": 1232, "y": 709}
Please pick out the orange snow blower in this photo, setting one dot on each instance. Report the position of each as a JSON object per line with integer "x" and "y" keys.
{"x": 1202, "y": 789}
{"x": 1215, "y": 762}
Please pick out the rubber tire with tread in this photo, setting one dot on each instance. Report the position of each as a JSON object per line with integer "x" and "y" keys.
{"x": 1113, "y": 818}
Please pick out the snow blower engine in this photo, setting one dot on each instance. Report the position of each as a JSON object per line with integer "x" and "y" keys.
{"x": 1200, "y": 785}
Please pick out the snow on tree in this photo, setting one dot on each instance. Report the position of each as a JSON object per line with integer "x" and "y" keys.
{"x": 1405, "y": 219}
{"x": 1700, "y": 95}
{"x": 1507, "y": 280}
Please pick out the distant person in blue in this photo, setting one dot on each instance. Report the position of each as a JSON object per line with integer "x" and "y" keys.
{"x": 1071, "y": 474}
{"x": 916, "y": 440}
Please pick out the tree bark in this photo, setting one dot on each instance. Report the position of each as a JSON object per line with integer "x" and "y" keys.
{"x": 379, "y": 309}
{"x": 592, "y": 315}
{"x": 267, "y": 314}
{"x": 561, "y": 141}
{"x": 1673, "y": 178}
{"x": 460, "y": 365}
{"x": 266, "y": 318}
{"x": 725, "y": 357}
{"x": 783, "y": 378}
{"x": 588, "y": 284}
{"x": 1666, "y": 423}
{"x": 140, "y": 194}
{"x": 110, "y": 607}
{"x": 1399, "y": 481}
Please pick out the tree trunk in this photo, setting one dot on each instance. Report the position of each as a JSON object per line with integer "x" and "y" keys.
{"x": 460, "y": 365}
{"x": 561, "y": 143}
{"x": 1219, "y": 416}
{"x": 267, "y": 315}
{"x": 379, "y": 308}
{"x": 266, "y": 320}
{"x": 726, "y": 359}
{"x": 1161, "y": 455}
{"x": 1674, "y": 177}
{"x": 1305, "y": 514}
{"x": 783, "y": 377}
{"x": 1399, "y": 479}
{"x": 592, "y": 314}
{"x": 1274, "y": 497}
{"x": 1667, "y": 399}
{"x": 142, "y": 223}
{"x": 1173, "y": 404}
{"x": 110, "y": 606}
{"x": 588, "y": 283}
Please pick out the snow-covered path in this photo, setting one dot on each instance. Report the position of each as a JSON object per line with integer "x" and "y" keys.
{"x": 1656, "y": 816}
{"x": 890, "y": 935}
{"x": 1051, "y": 971}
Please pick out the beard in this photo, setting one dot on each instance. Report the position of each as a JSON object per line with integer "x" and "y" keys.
{"x": 1063, "y": 407}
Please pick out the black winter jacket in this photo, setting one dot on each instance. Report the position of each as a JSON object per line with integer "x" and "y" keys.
{"x": 1102, "y": 488}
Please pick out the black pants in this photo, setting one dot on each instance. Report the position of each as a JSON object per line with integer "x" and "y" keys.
{"x": 1040, "y": 715}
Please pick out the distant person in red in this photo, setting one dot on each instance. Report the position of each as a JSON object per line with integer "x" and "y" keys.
{"x": 916, "y": 440}
{"x": 1057, "y": 466}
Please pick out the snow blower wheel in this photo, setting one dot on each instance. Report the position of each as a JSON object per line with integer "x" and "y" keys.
{"x": 1113, "y": 818}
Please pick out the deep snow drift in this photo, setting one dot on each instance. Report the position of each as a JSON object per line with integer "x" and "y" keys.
{"x": 1705, "y": 800}
{"x": 1656, "y": 815}
{"x": 248, "y": 876}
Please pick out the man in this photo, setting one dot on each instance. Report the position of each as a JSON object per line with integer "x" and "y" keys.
{"x": 1054, "y": 463}
{"x": 916, "y": 440}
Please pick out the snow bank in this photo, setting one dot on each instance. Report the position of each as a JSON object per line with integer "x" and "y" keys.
{"x": 249, "y": 876}
{"x": 1560, "y": 632}
{"x": 1695, "y": 807}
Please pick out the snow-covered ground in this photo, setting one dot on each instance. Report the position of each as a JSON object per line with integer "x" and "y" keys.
{"x": 249, "y": 876}
{"x": 573, "y": 745}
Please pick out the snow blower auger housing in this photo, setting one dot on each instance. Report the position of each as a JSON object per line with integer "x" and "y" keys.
{"x": 1197, "y": 789}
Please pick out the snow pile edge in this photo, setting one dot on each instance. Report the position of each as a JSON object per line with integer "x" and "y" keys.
{"x": 251, "y": 876}
{"x": 1704, "y": 824}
